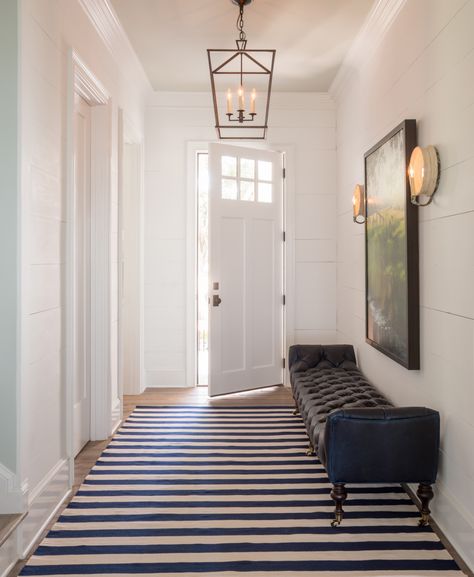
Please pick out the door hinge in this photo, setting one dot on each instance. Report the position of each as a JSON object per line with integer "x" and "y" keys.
{"x": 284, "y": 173}
{"x": 284, "y": 300}
{"x": 284, "y": 236}
{"x": 284, "y": 363}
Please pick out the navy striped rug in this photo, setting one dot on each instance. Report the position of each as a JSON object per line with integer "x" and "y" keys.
{"x": 190, "y": 490}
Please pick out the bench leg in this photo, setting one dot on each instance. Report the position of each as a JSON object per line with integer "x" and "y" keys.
{"x": 425, "y": 494}
{"x": 310, "y": 450}
{"x": 339, "y": 495}
{"x": 296, "y": 411}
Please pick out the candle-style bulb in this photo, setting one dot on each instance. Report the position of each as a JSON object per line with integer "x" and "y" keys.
{"x": 241, "y": 98}
{"x": 252, "y": 101}
{"x": 229, "y": 101}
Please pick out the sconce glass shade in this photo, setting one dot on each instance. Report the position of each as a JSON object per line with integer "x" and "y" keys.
{"x": 423, "y": 174}
{"x": 358, "y": 204}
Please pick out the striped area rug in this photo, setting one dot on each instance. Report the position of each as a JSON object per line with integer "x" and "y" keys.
{"x": 193, "y": 490}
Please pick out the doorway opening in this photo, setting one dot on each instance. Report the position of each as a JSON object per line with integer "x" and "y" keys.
{"x": 246, "y": 190}
{"x": 202, "y": 268}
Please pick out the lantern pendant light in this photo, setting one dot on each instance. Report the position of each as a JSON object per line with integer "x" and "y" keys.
{"x": 241, "y": 82}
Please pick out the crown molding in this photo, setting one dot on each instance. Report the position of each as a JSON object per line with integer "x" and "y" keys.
{"x": 86, "y": 84}
{"x": 110, "y": 30}
{"x": 373, "y": 31}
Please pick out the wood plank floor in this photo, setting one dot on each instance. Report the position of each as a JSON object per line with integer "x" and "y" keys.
{"x": 190, "y": 396}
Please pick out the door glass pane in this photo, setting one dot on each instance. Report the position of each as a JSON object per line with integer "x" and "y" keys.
{"x": 247, "y": 168}
{"x": 229, "y": 166}
{"x": 247, "y": 190}
{"x": 265, "y": 171}
{"x": 264, "y": 192}
{"x": 229, "y": 189}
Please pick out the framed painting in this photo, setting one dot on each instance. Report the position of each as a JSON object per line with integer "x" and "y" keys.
{"x": 391, "y": 249}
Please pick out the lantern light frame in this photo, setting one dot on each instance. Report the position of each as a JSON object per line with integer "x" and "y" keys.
{"x": 242, "y": 63}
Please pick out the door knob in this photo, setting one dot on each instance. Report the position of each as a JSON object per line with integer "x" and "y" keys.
{"x": 216, "y": 300}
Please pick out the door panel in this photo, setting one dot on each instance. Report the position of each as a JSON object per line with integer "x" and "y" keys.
{"x": 262, "y": 261}
{"x": 246, "y": 253}
{"x": 232, "y": 313}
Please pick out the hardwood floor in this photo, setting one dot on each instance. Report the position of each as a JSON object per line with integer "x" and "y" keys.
{"x": 189, "y": 396}
{"x": 198, "y": 395}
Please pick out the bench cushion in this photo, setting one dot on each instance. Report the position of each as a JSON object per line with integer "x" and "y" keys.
{"x": 326, "y": 378}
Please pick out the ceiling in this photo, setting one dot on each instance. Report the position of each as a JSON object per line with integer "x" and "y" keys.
{"x": 311, "y": 37}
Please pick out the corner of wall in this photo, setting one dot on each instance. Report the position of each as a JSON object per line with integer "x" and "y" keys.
{"x": 12, "y": 494}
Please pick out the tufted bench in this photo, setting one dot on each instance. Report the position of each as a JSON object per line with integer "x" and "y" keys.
{"x": 357, "y": 433}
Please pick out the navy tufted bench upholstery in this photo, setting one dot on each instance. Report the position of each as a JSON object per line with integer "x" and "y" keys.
{"x": 357, "y": 433}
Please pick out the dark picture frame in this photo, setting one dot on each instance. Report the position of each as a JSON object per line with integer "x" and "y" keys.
{"x": 391, "y": 249}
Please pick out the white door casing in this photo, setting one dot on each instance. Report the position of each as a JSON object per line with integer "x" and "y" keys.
{"x": 246, "y": 254}
{"x": 82, "y": 162}
{"x": 82, "y": 82}
{"x": 130, "y": 270}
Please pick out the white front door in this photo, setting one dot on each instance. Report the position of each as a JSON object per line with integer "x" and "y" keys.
{"x": 245, "y": 256}
{"x": 82, "y": 179}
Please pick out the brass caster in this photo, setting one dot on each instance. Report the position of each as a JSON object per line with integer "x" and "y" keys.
{"x": 424, "y": 521}
{"x": 335, "y": 523}
{"x": 310, "y": 451}
{"x": 296, "y": 412}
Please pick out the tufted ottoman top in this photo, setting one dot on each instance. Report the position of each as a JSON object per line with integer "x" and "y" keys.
{"x": 325, "y": 378}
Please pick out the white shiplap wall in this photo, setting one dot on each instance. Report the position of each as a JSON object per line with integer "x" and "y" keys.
{"x": 423, "y": 68}
{"x": 302, "y": 123}
{"x": 49, "y": 29}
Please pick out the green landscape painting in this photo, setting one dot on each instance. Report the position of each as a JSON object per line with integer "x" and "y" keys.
{"x": 387, "y": 290}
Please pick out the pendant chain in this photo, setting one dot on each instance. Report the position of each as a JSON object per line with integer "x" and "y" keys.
{"x": 240, "y": 23}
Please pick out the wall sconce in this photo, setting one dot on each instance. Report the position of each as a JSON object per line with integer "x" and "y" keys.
{"x": 358, "y": 204}
{"x": 423, "y": 174}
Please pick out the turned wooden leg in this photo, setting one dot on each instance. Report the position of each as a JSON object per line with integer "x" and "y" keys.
{"x": 310, "y": 449}
{"x": 425, "y": 494}
{"x": 339, "y": 495}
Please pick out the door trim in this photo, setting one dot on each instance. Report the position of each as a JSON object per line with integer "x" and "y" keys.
{"x": 83, "y": 82}
{"x": 129, "y": 135}
{"x": 288, "y": 191}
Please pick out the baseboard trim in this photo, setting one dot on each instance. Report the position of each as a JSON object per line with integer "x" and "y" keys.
{"x": 116, "y": 415}
{"x": 165, "y": 379}
{"x": 452, "y": 525}
{"x": 45, "y": 501}
{"x": 12, "y": 563}
{"x": 46, "y": 522}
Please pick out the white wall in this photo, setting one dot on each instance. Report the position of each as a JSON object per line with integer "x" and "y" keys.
{"x": 9, "y": 235}
{"x": 303, "y": 123}
{"x": 422, "y": 69}
{"x": 49, "y": 28}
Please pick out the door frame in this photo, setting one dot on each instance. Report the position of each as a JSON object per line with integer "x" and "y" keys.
{"x": 288, "y": 191}
{"x": 82, "y": 81}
